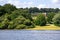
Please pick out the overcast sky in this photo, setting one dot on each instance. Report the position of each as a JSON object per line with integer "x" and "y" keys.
{"x": 33, "y": 3}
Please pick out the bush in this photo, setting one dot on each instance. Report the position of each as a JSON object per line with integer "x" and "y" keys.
{"x": 31, "y": 26}
{"x": 14, "y": 15}
{"x": 11, "y": 25}
{"x": 16, "y": 21}
{"x": 1, "y": 19}
{"x": 56, "y": 20}
{"x": 40, "y": 20}
{"x": 22, "y": 26}
{"x": 49, "y": 17}
{"x": 27, "y": 15}
{"x": 29, "y": 23}
{"x": 20, "y": 20}
{"x": 1, "y": 26}
{"x": 5, "y": 24}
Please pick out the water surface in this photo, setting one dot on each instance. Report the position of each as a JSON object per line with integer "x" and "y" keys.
{"x": 29, "y": 35}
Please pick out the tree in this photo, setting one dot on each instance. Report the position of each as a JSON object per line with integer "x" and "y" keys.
{"x": 49, "y": 17}
{"x": 40, "y": 20}
{"x": 29, "y": 23}
{"x": 33, "y": 10}
{"x": 2, "y": 10}
{"x": 11, "y": 25}
{"x": 49, "y": 10}
{"x": 1, "y": 26}
{"x": 13, "y": 15}
{"x": 4, "y": 24}
{"x": 9, "y": 8}
{"x": 56, "y": 10}
{"x": 56, "y": 19}
{"x": 25, "y": 13}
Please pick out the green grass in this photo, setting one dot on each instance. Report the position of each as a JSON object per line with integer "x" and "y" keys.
{"x": 47, "y": 27}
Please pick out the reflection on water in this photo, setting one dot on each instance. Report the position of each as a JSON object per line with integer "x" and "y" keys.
{"x": 29, "y": 35}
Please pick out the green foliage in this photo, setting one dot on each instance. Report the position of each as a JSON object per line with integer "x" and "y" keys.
{"x": 12, "y": 18}
{"x": 14, "y": 15}
{"x": 19, "y": 20}
{"x": 27, "y": 16}
{"x": 9, "y": 8}
{"x": 1, "y": 26}
{"x": 40, "y": 20}
{"x": 11, "y": 25}
{"x": 21, "y": 26}
{"x": 4, "y": 24}
{"x": 49, "y": 17}
{"x": 27, "y": 22}
{"x": 25, "y": 13}
{"x": 1, "y": 19}
{"x": 2, "y": 10}
{"x": 56, "y": 19}
{"x": 33, "y": 10}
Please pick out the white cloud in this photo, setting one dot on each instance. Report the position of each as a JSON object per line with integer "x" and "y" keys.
{"x": 1, "y": 0}
{"x": 42, "y": 6}
{"x": 55, "y": 1}
{"x": 19, "y": 4}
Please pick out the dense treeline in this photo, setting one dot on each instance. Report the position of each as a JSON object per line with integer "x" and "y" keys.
{"x": 41, "y": 10}
{"x": 8, "y": 8}
{"x": 14, "y": 18}
{"x": 20, "y": 18}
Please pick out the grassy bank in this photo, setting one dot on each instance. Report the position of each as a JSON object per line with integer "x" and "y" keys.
{"x": 47, "y": 27}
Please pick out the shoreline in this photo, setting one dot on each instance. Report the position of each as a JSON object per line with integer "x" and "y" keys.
{"x": 51, "y": 27}
{"x": 35, "y": 29}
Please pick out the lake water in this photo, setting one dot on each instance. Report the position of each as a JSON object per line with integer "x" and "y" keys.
{"x": 29, "y": 35}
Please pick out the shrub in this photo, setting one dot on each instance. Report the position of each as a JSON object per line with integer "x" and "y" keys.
{"x": 27, "y": 16}
{"x": 49, "y": 17}
{"x": 56, "y": 20}
{"x": 11, "y": 25}
{"x": 5, "y": 23}
{"x": 1, "y": 19}
{"x": 20, "y": 20}
{"x": 21, "y": 26}
{"x": 40, "y": 20}
{"x": 29, "y": 23}
{"x": 1, "y": 26}
{"x": 31, "y": 26}
{"x": 14, "y": 15}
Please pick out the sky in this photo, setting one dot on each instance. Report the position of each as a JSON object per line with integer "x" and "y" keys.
{"x": 33, "y": 3}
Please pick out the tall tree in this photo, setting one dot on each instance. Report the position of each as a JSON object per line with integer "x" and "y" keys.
{"x": 33, "y": 10}
{"x": 2, "y": 11}
{"x": 9, "y": 8}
